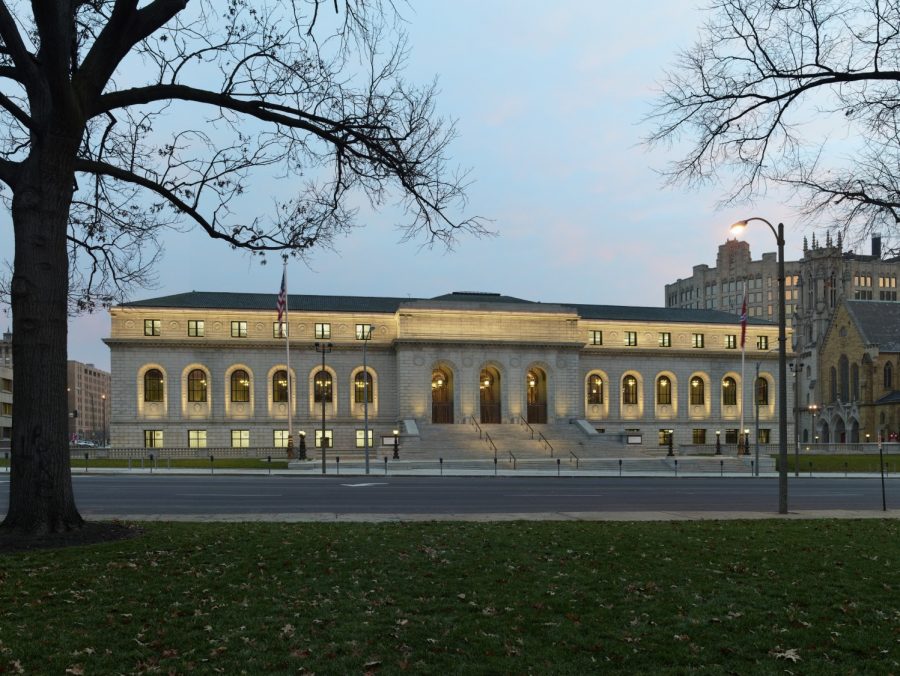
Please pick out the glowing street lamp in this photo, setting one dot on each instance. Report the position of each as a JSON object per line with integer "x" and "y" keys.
{"x": 782, "y": 360}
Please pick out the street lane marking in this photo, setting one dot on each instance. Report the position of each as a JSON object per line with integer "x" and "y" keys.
{"x": 229, "y": 495}
{"x": 364, "y": 485}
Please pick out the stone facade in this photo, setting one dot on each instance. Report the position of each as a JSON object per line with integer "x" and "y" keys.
{"x": 88, "y": 396}
{"x": 859, "y": 367}
{"x": 449, "y": 359}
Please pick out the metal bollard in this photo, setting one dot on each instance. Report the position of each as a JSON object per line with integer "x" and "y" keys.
{"x": 85, "y": 463}
{"x": 151, "y": 463}
{"x": 385, "y": 465}
{"x": 620, "y": 466}
{"x": 269, "y": 458}
{"x": 211, "y": 469}
{"x": 495, "y": 466}
{"x": 676, "y": 466}
{"x": 557, "y": 467}
{"x": 721, "y": 468}
{"x": 751, "y": 468}
{"x": 337, "y": 461}
{"x": 441, "y": 460}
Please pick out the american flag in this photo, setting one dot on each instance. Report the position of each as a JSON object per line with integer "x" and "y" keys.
{"x": 744, "y": 320}
{"x": 281, "y": 304}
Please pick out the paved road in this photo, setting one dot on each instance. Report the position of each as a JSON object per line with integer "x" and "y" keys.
{"x": 291, "y": 497}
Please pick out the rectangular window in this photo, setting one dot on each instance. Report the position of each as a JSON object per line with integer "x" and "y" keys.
{"x": 6, "y": 408}
{"x": 762, "y": 342}
{"x": 730, "y": 342}
{"x": 664, "y": 436}
{"x": 363, "y": 331}
{"x": 631, "y": 338}
{"x": 764, "y": 436}
{"x": 240, "y": 438}
{"x": 698, "y": 436}
{"x": 329, "y": 439}
{"x": 196, "y": 438}
{"x": 596, "y": 337}
{"x": 731, "y": 436}
{"x": 323, "y": 330}
{"x": 6, "y": 384}
{"x": 279, "y": 329}
{"x": 360, "y": 437}
{"x": 153, "y": 438}
{"x": 196, "y": 328}
{"x": 697, "y": 339}
{"x": 280, "y": 438}
{"x": 152, "y": 327}
{"x": 665, "y": 339}
{"x": 238, "y": 329}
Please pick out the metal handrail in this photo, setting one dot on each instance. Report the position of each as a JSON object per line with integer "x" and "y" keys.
{"x": 475, "y": 425}
{"x": 576, "y": 459}
{"x": 490, "y": 442}
{"x": 522, "y": 421}
{"x": 544, "y": 439}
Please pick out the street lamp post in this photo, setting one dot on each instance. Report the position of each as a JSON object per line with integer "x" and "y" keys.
{"x": 782, "y": 362}
{"x": 814, "y": 408}
{"x": 756, "y": 400}
{"x": 324, "y": 348}
{"x": 103, "y": 420}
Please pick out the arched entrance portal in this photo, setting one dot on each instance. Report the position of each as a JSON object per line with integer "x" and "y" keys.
{"x": 441, "y": 396}
{"x": 536, "y": 392}
{"x": 489, "y": 385}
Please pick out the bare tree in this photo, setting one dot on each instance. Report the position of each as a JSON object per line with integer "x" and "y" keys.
{"x": 120, "y": 119}
{"x": 804, "y": 93}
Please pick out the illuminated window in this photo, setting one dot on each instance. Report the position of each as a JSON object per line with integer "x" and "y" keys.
{"x": 197, "y": 386}
{"x": 152, "y": 327}
{"x": 361, "y": 392}
{"x": 595, "y": 389}
{"x": 762, "y": 342}
{"x": 698, "y": 394}
{"x": 238, "y": 329}
{"x": 280, "y": 438}
{"x": 697, "y": 340}
{"x": 196, "y": 328}
{"x": 360, "y": 438}
{"x": 730, "y": 342}
{"x": 631, "y": 338}
{"x": 595, "y": 337}
{"x": 280, "y": 387}
{"x": 665, "y": 339}
{"x": 240, "y": 438}
{"x": 729, "y": 392}
{"x": 762, "y": 391}
{"x": 153, "y": 385}
{"x": 196, "y": 438}
{"x": 240, "y": 386}
{"x": 322, "y": 387}
{"x": 279, "y": 329}
{"x": 629, "y": 390}
{"x": 323, "y": 330}
{"x": 663, "y": 390}
{"x": 153, "y": 438}
{"x": 363, "y": 331}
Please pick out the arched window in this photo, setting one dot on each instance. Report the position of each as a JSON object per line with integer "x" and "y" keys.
{"x": 629, "y": 390}
{"x": 844, "y": 377}
{"x": 854, "y": 382}
{"x": 196, "y": 386}
{"x": 153, "y": 385}
{"x": 888, "y": 376}
{"x": 595, "y": 389}
{"x": 663, "y": 390}
{"x": 361, "y": 392}
{"x": 322, "y": 389}
{"x": 833, "y": 384}
{"x": 729, "y": 392}
{"x": 240, "y": 386}
{"x": 698, "y": 391}
{"x": 762, "y": 391}
{"x": 280, "y": 387}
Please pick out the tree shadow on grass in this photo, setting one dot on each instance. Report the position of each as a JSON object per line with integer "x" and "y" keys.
{"x": 91, "y": 533}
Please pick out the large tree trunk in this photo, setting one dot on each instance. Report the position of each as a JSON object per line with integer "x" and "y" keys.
{"x": 40, "y": 497}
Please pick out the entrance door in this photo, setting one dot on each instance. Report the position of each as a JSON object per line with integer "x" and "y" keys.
{"x": 536, "y": 392}
{"x": 489, "y": 385}
{"x": 441, "y": 397}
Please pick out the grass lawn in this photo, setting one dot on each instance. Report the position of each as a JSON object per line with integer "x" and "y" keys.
{"x": 859, "y": 462}
{"x": 517, "y": 597}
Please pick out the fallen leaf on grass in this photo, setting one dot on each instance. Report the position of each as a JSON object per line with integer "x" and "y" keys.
{"x": 788, "y": 654}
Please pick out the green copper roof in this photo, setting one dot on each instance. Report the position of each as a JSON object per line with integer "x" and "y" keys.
{"x": 217, "y": 300}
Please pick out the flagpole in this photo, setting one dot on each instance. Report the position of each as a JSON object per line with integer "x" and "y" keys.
{"x": 287, "y": 359}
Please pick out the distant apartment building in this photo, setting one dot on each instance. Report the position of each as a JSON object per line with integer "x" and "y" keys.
{"x": 814, "y": 287}
{"x": 89, "y": 405}
{"x": 6, "y": 394}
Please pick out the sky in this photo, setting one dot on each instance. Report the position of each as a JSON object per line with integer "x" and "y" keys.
{"x": 549, "y": 99}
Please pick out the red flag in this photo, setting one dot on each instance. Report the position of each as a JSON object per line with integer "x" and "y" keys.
{"x": 744, "y": 320}
{"x": 281, "y": 305}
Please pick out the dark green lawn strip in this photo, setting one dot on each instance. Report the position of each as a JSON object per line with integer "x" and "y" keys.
{"x": 520, "y": 597}
{"x": 860, "y": 462}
